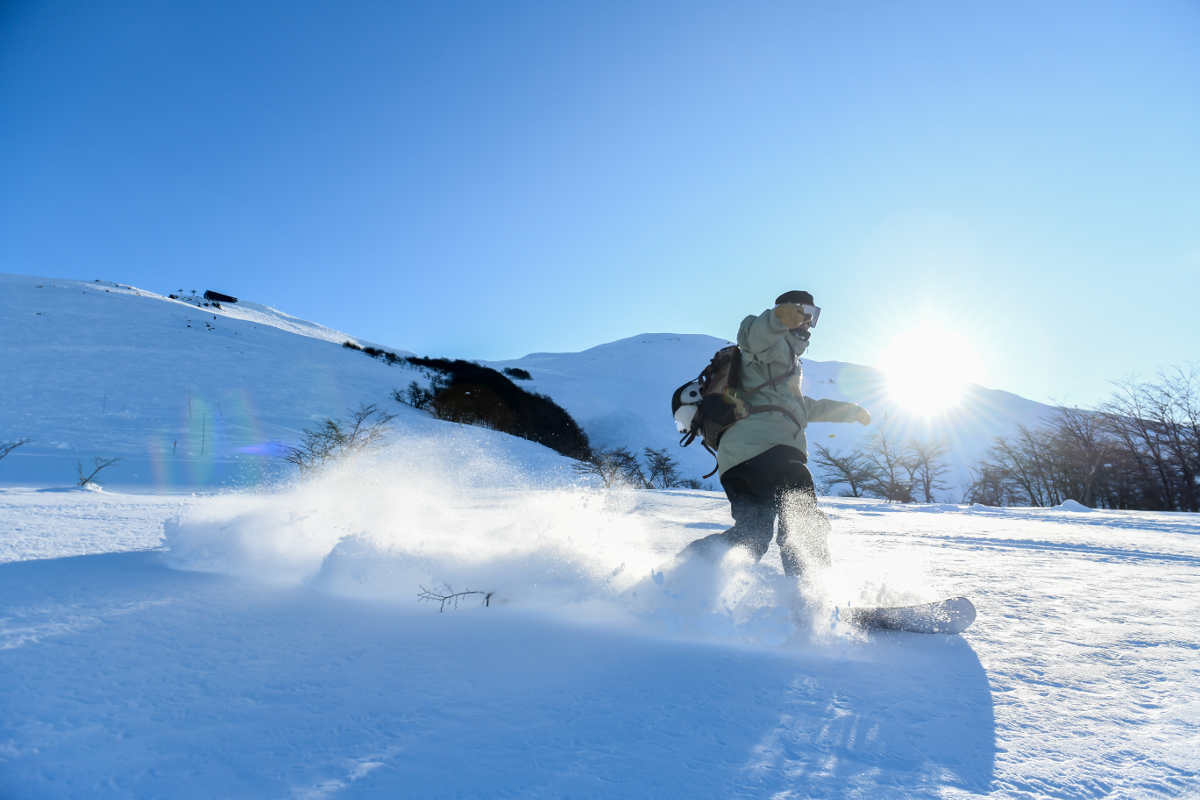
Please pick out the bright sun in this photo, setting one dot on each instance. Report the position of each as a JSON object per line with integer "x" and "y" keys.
{"x": 928, "y": 368}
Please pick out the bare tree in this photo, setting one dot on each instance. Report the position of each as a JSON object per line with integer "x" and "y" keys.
{"x": 1025, "y": 459}
{"x": 8, "y": 447}
{"x": 99, "y": 464}
{"x": 333, "y": 439}
{"x": 1130, "y": 415}
{"x": 616, "y": 467}
{"x": 662, "y": 470}
{"x": 854, "y": 469}
{"x": 1081, "y": 451}
{"x": 894, "y": 469}
{"x": 1175, "y": 412}
{"x": 989, "y": 486}
{"x": 928, "y": 461}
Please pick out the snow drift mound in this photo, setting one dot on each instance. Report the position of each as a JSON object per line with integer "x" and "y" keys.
{"x": 448, "y": 494}
{"x": 442, "y": 514}
{"x": 430, "y": 511}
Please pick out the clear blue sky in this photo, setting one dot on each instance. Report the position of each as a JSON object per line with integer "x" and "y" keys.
{"x": 490, "y": 179}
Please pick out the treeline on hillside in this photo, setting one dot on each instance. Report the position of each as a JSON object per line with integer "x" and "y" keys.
{"x": 1140, "y": 450}
{"x": 469, "y": 393}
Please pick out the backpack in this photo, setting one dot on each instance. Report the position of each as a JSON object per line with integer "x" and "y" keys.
{"x": 710, "y": 404}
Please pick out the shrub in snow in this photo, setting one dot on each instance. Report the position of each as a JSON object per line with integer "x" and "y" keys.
{"x": 473, "y": 394}
{"x": 415, "y": 395}
{"x": 615, "y": 467}
{"x": 662, "y": 471}
{"x": 333, "y": 439}
{"x": 99, "y": 465}
{"x": 376, "y": 352}
{"x": 474, "y": 404}
{"x": 478, "y": 395}
{"x": 620, "y": 467}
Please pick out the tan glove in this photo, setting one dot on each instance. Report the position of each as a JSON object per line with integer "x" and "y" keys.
{"x": 864, "y": 416}
{"x": 791, "y": 316}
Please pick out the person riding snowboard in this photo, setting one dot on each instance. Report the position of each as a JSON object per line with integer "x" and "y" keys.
{"x": 762, "y": 458}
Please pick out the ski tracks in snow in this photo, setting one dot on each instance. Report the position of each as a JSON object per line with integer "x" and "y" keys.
{"x": 24, "y": 626}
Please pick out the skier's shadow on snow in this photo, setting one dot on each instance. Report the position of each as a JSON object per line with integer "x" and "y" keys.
{"x": 706, "y": 526}
{"x": 500, "y": 705}
{"x": 901, "y": 715}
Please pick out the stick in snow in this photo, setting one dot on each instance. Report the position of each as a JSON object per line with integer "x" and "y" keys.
{"x": 448, "y": 597}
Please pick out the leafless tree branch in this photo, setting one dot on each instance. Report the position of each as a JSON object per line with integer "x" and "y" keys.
{"x": 8, "y": 447}
{"x": 446, "y": 597}
{"x": 100, "y": 464}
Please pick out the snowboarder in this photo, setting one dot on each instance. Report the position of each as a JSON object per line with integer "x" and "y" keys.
{"x": 762, "y": 459}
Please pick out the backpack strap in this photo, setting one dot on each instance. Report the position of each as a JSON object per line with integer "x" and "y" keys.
{"x": 716, "y": 466}
{"x": 772, "y": 381}
{"x": 781, "y": 410}
{"x": 749, "y": 410}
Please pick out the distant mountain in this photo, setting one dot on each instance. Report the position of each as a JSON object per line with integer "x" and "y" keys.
{"x": 194, "y": 394}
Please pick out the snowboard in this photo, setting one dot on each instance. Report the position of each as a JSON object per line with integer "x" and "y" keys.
{"x": 952, "y": 615}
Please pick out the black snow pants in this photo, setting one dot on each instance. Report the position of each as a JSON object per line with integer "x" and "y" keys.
{"x": 774, "y": 484}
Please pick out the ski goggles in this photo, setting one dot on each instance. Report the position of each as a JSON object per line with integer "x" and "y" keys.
{"x": 812, "y": 312}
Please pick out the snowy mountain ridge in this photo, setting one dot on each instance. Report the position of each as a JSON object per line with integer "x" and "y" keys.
{"x": 242, "y": 310}
{"x": 192, "y": 394}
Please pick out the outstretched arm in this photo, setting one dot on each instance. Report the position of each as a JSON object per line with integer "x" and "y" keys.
{"x": 835, "y": 411}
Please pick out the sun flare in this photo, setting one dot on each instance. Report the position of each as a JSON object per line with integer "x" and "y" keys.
{"x": 928, "y": 368}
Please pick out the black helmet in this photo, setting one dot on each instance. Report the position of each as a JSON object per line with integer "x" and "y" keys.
{"x": 796, "y": 296}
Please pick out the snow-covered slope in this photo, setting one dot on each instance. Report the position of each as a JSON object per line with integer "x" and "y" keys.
{"x": 287, "y": 655}
{"x": 620, "y": 393}
{"x": 186, "y": 396}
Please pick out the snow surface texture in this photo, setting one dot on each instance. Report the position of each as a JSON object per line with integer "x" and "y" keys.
{"x": 275, "y": 646}
{"x": 199, "y": 397}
